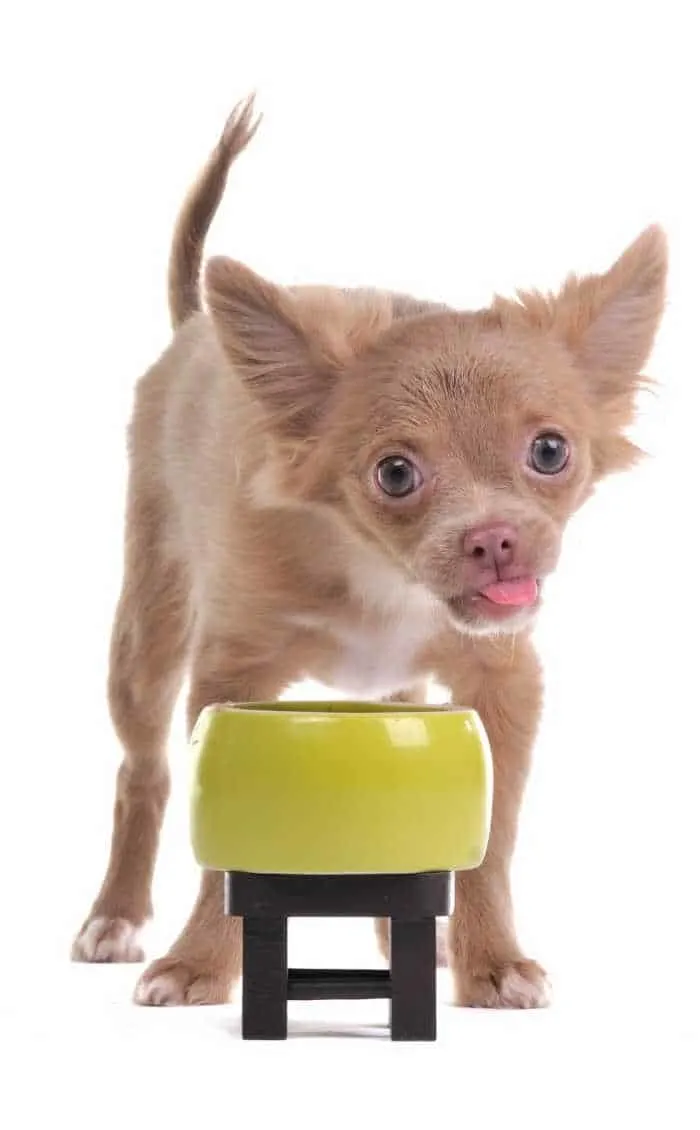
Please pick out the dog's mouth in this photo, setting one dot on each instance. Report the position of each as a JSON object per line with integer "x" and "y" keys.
{"x": 496, "y": 603}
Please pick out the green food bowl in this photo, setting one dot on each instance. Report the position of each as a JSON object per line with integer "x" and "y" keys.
{"x": 340, "y": 788}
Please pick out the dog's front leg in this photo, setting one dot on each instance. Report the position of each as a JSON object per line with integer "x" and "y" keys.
{"x": 204, "y": 963}
{"x": 489, "y": 969}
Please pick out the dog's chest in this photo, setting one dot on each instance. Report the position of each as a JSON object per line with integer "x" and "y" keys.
{"x": 377, "y": 646}
{"x": 375, "y": 660}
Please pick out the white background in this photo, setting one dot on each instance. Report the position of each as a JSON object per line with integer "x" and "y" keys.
{"x": 448, "y": 150}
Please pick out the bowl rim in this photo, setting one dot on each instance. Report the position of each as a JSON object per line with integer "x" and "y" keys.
{"x": 338, "y": 708}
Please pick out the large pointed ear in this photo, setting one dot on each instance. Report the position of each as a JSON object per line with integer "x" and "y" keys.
{"x": 608, "y": 324}
{"x": 287, "y": 367}
{"x": 609, "y": 321}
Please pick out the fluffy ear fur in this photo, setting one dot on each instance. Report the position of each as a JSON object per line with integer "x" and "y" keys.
{"x": 608, "y": 322}
{"x": 288, "y": 367}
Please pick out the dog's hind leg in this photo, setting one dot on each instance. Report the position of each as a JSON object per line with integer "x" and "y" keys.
{"x": 148, "y": 653}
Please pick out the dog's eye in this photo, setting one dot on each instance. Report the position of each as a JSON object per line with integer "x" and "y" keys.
{"x": 398, "y": 477}
{"x": 549, "y": 453}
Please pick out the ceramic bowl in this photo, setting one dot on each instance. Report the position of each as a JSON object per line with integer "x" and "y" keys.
{"x": 340, "y": 788}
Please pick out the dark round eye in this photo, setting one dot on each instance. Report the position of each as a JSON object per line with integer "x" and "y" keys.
{"x": 549, "y": 453}
{"x": 398, "y": 477}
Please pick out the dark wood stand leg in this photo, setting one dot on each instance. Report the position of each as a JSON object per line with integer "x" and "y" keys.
{"x": 413, "y": 972}
{"x": 265, "y": 979}
{"x": 265, "y": 902}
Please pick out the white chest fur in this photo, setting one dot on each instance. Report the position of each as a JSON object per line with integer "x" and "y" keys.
{"x": 378, "y": 653}
{"x": 376, "y": 660}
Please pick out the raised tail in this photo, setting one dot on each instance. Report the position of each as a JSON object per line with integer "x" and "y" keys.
{"x": 198, "y": 212}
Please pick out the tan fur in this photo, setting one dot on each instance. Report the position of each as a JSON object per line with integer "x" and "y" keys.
{"x": 198, "y": 212}
{"x": 260, "y": 550}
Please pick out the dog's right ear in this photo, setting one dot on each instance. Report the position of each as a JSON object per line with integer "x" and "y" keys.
{"x": 288, "y": 368}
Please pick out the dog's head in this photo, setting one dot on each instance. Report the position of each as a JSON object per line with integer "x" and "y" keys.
{"x": 457, "y": 444}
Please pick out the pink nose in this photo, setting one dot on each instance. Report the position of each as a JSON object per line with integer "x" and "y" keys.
{"x": 492, "y": 546}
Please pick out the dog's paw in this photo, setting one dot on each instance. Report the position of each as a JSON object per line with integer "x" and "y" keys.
{"x": 108, "y": 940}
{"x": 171, "y": 981}
{"x": 511, "y": 984}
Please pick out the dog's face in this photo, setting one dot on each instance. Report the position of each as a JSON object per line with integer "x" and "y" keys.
{"x": 457, "y": 444}
{"x": 478, "y": 450}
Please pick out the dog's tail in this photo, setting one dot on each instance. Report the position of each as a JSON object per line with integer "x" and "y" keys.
{"x": 198, "y": 212}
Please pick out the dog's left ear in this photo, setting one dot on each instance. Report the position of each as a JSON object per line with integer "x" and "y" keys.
{"x": 608, "y": 324}
{"x": 609, "y": 321}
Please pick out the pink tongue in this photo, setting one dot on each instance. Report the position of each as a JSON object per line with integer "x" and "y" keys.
{"x": 516, "y": 593}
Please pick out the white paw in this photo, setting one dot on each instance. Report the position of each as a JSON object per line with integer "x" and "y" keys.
{"x": 173, "y": 982}
{"x": 512, "y": 984}
{"x": 108, "y": 940}
{"x": 163, "y": 991}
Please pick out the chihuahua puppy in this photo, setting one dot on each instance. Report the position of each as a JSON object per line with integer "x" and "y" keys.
{"x": 367, "y": 490}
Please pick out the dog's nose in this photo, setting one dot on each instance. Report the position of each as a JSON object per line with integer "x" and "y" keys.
{"x": 491, "y": 546}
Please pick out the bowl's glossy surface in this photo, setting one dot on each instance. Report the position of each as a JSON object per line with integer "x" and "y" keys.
{"x": 338, "y": 788}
